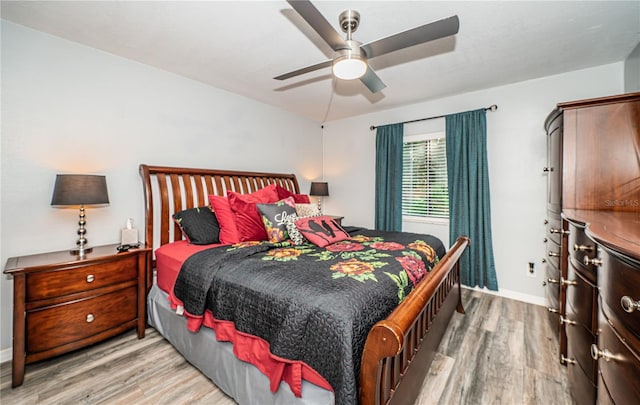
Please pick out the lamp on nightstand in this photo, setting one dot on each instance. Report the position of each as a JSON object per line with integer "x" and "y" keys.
{"x": 80, "y": 190}
{"x": 319, "y": 189}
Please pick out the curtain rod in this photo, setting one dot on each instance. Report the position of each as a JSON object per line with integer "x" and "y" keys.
{"x": 491, "y": 108}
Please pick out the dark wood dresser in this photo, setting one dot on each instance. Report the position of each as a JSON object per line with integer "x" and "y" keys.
{"x": 555, "y": 239}
{"x": 599, "y": 273}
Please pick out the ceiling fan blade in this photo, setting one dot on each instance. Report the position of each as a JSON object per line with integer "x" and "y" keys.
{"x": 424, "y": 33}
{"x": 320, "y": 24}
{"x": 304, "y": 70}
{"x": 372, "y": 81}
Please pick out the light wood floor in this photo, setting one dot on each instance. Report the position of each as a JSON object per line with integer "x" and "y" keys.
{"x": 501, "y": 352}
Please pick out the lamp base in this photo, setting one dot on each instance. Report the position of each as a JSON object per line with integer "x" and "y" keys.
{"x": 81, "y": 251}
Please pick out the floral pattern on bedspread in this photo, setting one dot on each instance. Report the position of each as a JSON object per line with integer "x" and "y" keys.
{"x": 311, "y": 304}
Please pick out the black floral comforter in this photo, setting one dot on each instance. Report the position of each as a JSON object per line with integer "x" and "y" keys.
{"x": 311, "y": 304}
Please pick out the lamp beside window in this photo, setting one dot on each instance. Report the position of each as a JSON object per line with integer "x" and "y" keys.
{"x": 80, "y": 190}
{"x": 319, "y": 189}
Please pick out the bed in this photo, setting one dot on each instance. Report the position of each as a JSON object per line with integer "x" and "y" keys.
{"x": 397, "y": 350}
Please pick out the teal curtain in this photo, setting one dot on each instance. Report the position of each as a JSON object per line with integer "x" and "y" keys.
{"x": 469, "y": 205}
{"x": 389, "y": 143}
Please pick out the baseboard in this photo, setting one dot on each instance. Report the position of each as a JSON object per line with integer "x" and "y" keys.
{"x": 514, "y": 295}
{"x": 6, "y": 355}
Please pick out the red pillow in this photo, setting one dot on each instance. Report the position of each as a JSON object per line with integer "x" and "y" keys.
{"x": 321, "y": 231}
{"x": 247, "y": 218}
{"x": 228, "y": 229}
{"x": 298, "y": 198}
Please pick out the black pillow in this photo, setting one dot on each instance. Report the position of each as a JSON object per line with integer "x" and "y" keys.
{"x": 199, "y": 225}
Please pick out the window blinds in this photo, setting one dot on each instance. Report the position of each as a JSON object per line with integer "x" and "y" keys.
{"x": 424, "y": 179}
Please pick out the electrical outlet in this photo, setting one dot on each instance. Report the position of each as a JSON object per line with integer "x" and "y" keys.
{"x": 531, "y": 271}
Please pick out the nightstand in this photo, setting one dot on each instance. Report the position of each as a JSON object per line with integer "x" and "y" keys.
{"x": 62, "y": 302}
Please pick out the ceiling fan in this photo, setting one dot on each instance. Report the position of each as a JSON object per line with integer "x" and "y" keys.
{"x": 350, "y": 57}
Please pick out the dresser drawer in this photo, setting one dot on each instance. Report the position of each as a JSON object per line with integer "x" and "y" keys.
{"x": 583, "y": 389}
{"x": 620, "y": 277}
{"x": 579, "y": 341}
{"x": 54, "y": 326}
{"x": 554, "y": 229}
{"x": 581, "y": 300}
{"x": 552, "y": 290}
{"x": 604, "y": 397}
{"x": 580, "y": 246}
{"x": 620, "y": 373}
{"x": 65, "y": 281}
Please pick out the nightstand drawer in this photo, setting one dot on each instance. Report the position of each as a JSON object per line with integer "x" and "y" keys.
{"x": 54, "y": 326}
{"x": 56, "y": 283}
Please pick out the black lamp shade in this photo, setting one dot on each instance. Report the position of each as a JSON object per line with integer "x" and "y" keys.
{"x": 319, "y": 189}
{"x": 80, "y": 189}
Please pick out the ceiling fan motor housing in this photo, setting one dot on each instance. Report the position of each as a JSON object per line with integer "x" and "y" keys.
{"x": 349, "y": 22}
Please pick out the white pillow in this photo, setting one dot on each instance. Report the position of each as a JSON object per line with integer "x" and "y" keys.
{"x": 307, "y": 210}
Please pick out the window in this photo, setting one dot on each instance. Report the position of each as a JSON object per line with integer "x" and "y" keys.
{"x": 424, "y": 178}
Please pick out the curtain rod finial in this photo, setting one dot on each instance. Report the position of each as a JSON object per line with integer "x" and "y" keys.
{"x": 372, "y": 127}
{"x": 493, "y": 107}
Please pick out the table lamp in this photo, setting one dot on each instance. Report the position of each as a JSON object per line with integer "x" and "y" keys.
{"x": 319, "y": 189}
{"x": 80, "y": 190}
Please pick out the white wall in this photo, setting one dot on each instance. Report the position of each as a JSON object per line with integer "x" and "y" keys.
{"x": 67, "y": 108}
{"x": 632, "y": 71}
{"x": 517, "y": 154}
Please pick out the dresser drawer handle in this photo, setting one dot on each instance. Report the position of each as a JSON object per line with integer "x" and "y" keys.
{"x": 582, "y": 248}
{"x": 553, "y": 310}
{"x": 547, "y": 169}
{"x": 90, "y": 278}
{"x": 566, "y": 320}
{"x": 564, "y": 281}
{"x": 553, "y": 281}
{"x": 596, "y": 353}
{"x": 595, "y": 261}
{"x": 560, "y": 231}
{"x": 566, "y": 360}
{"x": 554, "y": 254}
{"x": 90, "y": 318}
{"x": 629, "y": 304}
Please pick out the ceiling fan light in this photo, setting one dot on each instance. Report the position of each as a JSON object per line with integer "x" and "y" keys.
{"x": 349, "y": 67}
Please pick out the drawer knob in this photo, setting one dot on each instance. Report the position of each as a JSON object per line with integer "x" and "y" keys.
{"x": 90, "y": 318}
{"x": 629, "y": 304}
{"x": 545, "y": 240}
{"x": 596, "y": 353}
{"x": 595, "y": 261}
{"x": 546, "y": 221}
{"x": 553, "y": 310}
{"x": 564, "y": 320}
{"x": 566, "y": 360}
{"x": 553, "y": 281}
{"x": 90, "y": 278}
{"x": 582, "y": 248}
{"x": 554, "y": 254}
{"x": 560, "y": 231}
{"x": 564, "y": 281}
{"x": 544, "y": 260}
{"x": 547, "y": 169}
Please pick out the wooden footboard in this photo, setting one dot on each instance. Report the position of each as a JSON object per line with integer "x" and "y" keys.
{"x": 400, "y": 349}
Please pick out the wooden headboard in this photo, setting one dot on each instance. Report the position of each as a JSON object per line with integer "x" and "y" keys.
{"x": 173, "y": 189}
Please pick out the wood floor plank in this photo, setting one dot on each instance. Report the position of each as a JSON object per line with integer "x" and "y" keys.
{"x": 500, "y": 352}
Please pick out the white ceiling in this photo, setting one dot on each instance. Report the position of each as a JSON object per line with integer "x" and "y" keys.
{"x": 240, "y": 46}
